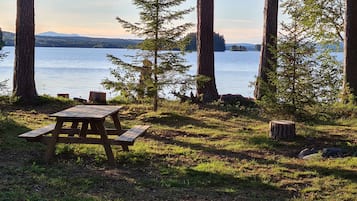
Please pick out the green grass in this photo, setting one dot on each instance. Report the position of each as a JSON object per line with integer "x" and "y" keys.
{"x": 190, "y": 153}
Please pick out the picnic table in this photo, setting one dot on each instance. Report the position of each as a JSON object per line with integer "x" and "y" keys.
{"x": 86, "y": 122}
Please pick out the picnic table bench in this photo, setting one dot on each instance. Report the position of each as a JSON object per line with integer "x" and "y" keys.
{"x": 86, "y": 116}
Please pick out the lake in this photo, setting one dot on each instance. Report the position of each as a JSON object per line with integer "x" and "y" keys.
{"x": 77, "y": 71}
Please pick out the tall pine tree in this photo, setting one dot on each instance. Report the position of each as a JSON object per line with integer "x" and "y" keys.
{"x": 24, "y": 70}
{"x": 155, "y": 66}
{"x": 350, "y": 47}
{"x": 205, "y": 51}
{"x": 263, "y": 85}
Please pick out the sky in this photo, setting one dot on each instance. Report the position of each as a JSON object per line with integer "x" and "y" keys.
{"x": 239, "y": 21}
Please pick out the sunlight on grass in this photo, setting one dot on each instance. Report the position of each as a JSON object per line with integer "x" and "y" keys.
{"x": 189, "y": 153}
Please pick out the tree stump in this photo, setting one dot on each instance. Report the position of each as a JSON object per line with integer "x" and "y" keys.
{"x": 282, "y": 129}
{"x": 63, "y": 95}
{"x": 96, "y": 97}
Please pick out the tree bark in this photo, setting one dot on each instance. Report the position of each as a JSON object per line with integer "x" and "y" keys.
{"x": 24, "y": 75}
{"x": 267, "y": 57}
{"x": 205, "y": 50}
{"x": 350, "y": 67}
{"x": 282, "y": 129}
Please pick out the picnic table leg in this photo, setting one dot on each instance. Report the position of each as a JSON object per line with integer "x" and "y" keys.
{"x": 116, "y": 121}
{"x": 93, "y": 126}
{"x": 73, "y": 127}
{"x": 125, "y": 148}
{"x": 105, "y": 142}
{"x": 52, "y": 143}
{"x": 117, "y": 125}
{"x": 84, "y": 129}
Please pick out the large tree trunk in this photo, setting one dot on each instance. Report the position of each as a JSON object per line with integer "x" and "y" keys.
{"x": 24, "y": 75}
{"x": 267, "y": 58}
{"x": 350, "y": 69}
{"x": 205, "y": 50}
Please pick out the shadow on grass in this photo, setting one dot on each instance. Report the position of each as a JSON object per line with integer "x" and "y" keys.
{"x": 252, "y": 112}
{"x": 260, "y": 157}
{"x": 43, "y": 104}
{"x": 212, "y": 151}
{"x": 9, "y": 130}
{"x": 205, "y": 185}
{"x": 15, "y": 151}
{"x": 71, "y": 181}
{"x": 176, "y": 121}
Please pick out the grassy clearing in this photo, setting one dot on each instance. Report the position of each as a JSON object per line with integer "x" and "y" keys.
{"x": 189, "y": 153}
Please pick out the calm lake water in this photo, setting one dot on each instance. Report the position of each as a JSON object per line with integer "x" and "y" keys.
{"x": 79, "y": 70}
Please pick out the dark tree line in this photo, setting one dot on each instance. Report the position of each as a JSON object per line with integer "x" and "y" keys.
{"x": 219, "y": 42}
{"x": 78, "y": 41}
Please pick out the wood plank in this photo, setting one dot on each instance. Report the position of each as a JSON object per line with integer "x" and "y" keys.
{"x": 83, "y": 112}
{"x": 110, "y": 131}
{"x": 38, "y": 132}
{"x": 78, "y": 140}
{"x": 133, "y": 133}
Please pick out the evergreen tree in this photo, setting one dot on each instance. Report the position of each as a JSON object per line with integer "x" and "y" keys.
{"x": 305, "y": 77}
{"x": 323, "y": 19}
{"x": 328, "y": 78}
{"x": 294, "y": 74}
{"x": 326, "y": 23}
{"x": 154, "y": 67}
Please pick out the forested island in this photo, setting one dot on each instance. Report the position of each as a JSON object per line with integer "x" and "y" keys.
{"x": 219, "y": 42}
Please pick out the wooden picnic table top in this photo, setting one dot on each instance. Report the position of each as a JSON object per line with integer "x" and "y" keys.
{"x": 87, "y": 112}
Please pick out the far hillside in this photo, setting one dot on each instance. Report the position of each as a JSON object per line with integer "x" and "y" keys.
{"x": 75, "y": 41}
{"x": 52, "y": 39}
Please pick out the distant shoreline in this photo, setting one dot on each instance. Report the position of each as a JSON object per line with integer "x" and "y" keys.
{"x": 74, "y": 41}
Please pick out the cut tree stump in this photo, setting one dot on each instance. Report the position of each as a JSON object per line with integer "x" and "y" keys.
{"x": 96, "y": 97}
{"x": 282, "y": 129}
{"x": 63, "y": 95}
